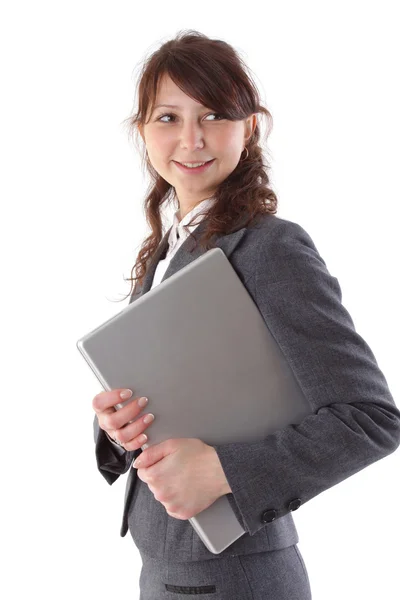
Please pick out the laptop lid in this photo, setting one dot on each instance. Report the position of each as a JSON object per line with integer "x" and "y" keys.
{"x": 197, "y": 346}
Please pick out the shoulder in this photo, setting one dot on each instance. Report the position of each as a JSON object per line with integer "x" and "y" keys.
{"x": 284, "y": 249}
{"x": 269, "y": 231}
{"x": 267, "y": 227}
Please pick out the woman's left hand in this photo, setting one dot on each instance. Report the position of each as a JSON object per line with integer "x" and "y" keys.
{"x": 184, "y": 474}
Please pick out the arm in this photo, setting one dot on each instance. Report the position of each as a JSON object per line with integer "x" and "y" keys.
{"x": 355, "y": 421}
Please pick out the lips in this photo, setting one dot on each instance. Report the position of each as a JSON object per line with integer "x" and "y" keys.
{"x": 192, "y": 171}
{"x": 194, "y": 162}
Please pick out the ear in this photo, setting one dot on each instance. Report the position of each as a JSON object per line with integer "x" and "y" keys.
{"x": 140, "y": 129}
{"x": 249, "y": 127}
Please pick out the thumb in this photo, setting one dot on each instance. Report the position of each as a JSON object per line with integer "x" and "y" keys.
{"x": 151, "y": 455}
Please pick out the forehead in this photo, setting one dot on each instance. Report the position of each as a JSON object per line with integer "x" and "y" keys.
{"x": 170, "y": 94}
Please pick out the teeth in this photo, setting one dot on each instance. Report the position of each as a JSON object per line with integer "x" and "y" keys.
{"x": 191, "y": 166}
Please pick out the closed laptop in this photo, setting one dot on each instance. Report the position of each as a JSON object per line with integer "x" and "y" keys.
{"x": 197, "y": 346}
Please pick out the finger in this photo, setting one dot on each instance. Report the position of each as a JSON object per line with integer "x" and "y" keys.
{"x": 117, "y": 420}
{"x": 126, "y": 415}
{"x": 136, "y": 443}
{"x": 107, "y": 399}
{"x": 133, "y": 430}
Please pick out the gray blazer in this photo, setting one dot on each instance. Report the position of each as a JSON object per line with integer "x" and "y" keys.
{"x": 355, "y": 420}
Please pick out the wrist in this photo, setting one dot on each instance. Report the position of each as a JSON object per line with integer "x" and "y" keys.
{"x": 223, "y": 485}
{"x": 114, "y": 442}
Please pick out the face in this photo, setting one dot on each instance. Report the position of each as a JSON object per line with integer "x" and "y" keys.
{"x": 191, "y": 132}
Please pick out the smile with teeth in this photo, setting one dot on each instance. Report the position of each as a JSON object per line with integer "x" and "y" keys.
{"x": 192, "y": 165}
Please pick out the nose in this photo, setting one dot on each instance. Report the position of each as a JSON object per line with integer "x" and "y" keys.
{"x": 191, "y": 136}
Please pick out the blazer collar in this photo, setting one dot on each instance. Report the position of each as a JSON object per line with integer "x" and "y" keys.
{"x": 183, "y": 256}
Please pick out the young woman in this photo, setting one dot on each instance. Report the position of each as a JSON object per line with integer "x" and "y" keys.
{"x": 197, "y": 118}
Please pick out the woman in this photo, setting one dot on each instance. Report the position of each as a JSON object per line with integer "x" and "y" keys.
{"x": 197, "y": 104}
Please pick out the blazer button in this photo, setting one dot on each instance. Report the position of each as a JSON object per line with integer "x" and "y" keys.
{"x": 294, "y": 504}
{"x": 268, "y": 516}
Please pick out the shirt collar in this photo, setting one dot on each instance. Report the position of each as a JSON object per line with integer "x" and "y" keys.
{"x": 178, "y": 226}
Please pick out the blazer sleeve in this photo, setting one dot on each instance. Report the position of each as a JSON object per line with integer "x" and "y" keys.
{"x": 354, "y": 422}
{"x": 112, "y": 461}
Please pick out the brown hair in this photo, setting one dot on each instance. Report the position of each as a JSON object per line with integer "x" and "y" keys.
{"x": 198, "y": 64}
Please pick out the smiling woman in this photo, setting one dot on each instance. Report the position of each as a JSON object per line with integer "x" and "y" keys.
{"x": 197, "y": 105}
{"x": 181, "y": 146}
{"x": 186, "y": 117}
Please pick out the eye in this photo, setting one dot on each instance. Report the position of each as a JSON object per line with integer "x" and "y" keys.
{"x": 172, "y": 115}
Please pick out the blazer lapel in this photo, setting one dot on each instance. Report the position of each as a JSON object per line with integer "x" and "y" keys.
{"x": 184, "y": 256}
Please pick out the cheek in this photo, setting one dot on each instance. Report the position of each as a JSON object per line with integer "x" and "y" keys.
{"x": 233, "y": 134}
{"x": 231, "y": 149}
{"x": 231, "y": 154}
{"x": 158, "y": 143}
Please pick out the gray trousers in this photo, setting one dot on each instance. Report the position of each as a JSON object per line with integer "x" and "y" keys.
{"x": 273, "y": 575}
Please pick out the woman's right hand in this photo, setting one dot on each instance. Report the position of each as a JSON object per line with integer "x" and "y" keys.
{"x": 116, "y": 422}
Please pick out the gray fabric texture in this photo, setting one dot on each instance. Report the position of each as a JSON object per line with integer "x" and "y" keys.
{"x": 276, "y": 575}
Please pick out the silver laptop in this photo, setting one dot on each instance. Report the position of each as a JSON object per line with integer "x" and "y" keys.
{"x": 197, "y": 346}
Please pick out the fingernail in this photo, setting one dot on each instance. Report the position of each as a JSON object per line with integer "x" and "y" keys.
{"x": 136, "y": 463}
{"x": 125, "y": 394}
{"x": 143, "y": 401}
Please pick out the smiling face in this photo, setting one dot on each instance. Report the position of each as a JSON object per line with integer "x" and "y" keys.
{"x": 191, "y": 132}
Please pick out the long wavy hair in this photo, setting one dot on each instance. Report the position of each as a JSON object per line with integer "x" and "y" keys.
{"x": 197, "y": 65}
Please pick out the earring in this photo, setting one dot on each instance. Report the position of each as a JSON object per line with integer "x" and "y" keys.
{"x": 242, "y": 159}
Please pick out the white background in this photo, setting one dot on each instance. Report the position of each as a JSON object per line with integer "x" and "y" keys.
{"x": 72, "y": 223}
